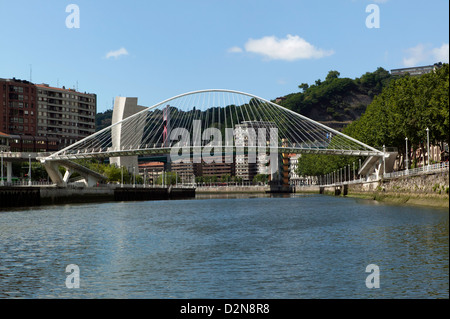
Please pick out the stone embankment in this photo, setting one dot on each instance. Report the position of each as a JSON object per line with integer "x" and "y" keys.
{"x": 425, "y": 189}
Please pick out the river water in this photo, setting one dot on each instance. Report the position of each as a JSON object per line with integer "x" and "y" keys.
{"x": 241, "y": 247}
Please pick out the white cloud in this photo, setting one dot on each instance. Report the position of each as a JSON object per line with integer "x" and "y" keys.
{"x": 423, "y": 53}
{"x": 441, "y": 54}
{"x": 235, "y": 50}
{"x": 416, "y": 55}
{"x": 116, "y": 54}
{"x": 290, "y": 48}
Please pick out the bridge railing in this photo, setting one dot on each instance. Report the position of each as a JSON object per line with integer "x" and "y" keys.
{"x": 440, "y": 167}
{"x": 26, "y": 183}
{"x": 420, "y": 170}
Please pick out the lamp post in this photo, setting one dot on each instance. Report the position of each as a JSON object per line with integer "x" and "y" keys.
{"x": 407, "y": 159}
{"x": 344, "y": 174}
{"x": 29, "y": 169}
{"x": 2, "y": 182}
{"x": 384, "y": 160}
{"x": 121, "y": 183}
{"x": 145, "y": 176}
{"x": 134, "y": 177}
{"x": 360, "y": 168}
{"x": 349, "y": 173}
{"x": 428, "y": 145}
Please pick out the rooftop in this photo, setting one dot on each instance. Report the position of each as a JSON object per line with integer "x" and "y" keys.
{"x": 63, "y": 89}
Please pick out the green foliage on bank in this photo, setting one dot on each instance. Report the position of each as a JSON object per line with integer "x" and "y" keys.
{"x": 111, "y": 172}
{"x": 335, "y": 97}
{"x": 405, "y": 108}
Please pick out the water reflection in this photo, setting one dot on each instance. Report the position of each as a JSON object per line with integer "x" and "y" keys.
{"x": 237, "y": 246}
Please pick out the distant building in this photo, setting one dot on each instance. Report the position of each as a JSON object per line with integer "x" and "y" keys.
{"x": 18, "y": 112}
{"x": 218, "y": 168}
{"x": 295, "y": 179}
{"x": 187, "y": 171}
{"x": 246, "y": 168}
{"x": 5, "y": 141}
{"x": 416, "y": 71}
{"x": 45, "y": 119}
{"x": 279, "y": 99}
{"x": 152, "y": 170}
{"x": 65, "y": 114}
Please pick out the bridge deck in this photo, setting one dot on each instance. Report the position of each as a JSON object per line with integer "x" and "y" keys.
{"x": 190, "y": 150}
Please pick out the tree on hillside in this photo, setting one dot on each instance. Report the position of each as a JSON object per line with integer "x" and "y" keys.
{"x": 332, "y": 75}
{"x": 405, "y": 108}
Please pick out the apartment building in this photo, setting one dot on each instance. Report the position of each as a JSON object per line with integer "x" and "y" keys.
{"x": 417, "y": 70}
{"x": 65, "y": 114}
{"x": 247, "y": 167}
{"x": 44, "y": 118}
{"x": 18, "y": 115}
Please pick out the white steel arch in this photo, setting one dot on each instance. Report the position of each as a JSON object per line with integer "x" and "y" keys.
{"x": 299, "y": 133}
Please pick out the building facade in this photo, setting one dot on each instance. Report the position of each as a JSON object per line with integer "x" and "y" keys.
{"x": 417, "y": 70}
{"x": 18, "y": 115}
{"x": 65, "y": 114}
{"x": 45, "y": 119}
{"x": 248, "y": 167}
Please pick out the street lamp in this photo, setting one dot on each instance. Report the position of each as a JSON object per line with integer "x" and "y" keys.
{"x": 29, "y": 169}
{"x": 134, "y": 177}
{"x": 407, "y": 160}
{"x": 384, "y": 160}
{"x": 121, "y": 183}
{"x": 2, "y": 182}
{"x": 428, "y": 145}
{"x": 145, "y": 176}
{"x": 359, "y": 169}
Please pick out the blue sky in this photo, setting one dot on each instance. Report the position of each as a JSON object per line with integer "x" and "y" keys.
{"x": 154, "y": 50}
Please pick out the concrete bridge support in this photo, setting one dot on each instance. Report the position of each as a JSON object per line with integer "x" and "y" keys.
{"x": 90, "y": 177}
{"x": 8, "y": 173}
{"x": 53, "y": 172}
{"x": 125, "y": 107}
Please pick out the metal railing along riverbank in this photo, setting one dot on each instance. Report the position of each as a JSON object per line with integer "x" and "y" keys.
{"x": 420, "y": 170}
{"x": 429, "y": 169}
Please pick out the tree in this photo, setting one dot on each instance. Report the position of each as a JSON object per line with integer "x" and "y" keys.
{"x": 332, "y": 75}
{"x": 304, "y": 87}
{"x": 170, "y": 178}
{"x": 406, "y": 108}
{"x": 261, "y": 178}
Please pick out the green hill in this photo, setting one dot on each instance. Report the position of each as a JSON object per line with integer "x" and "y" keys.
{"x": 103, "y": 119}
{"x": 336, "y": 101}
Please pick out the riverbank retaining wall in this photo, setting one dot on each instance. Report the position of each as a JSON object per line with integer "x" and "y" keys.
{"x": 430, "y": 189}
{"x": 19, "y": 197}
{"x": 36, "y": 196}
{"x": 232, "y": 189}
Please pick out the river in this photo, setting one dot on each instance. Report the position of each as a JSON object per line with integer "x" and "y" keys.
{"x": 240, "y": 247}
